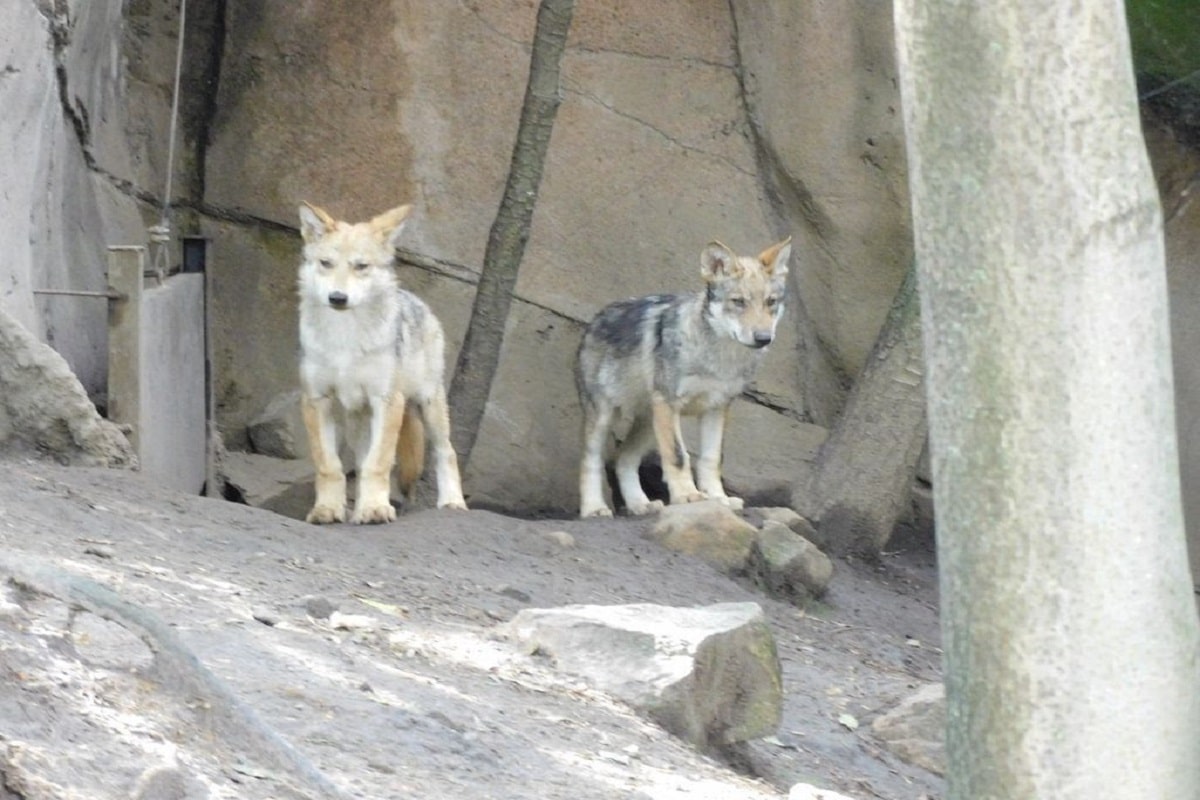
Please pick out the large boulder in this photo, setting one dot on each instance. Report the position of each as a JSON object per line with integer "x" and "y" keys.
{"x": 43, "y": 405}
{"x": 709, "y": 675}
{"x": 279, "y": 430}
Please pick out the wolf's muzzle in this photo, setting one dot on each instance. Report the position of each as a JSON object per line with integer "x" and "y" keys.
{"x": 338, "y": 299}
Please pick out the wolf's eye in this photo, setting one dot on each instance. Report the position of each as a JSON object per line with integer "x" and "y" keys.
{"x": 772, "y": 302}
{"x": 361, "y": 266}
{"x": 737, "y": 302}
{"x": 326, "y": 263}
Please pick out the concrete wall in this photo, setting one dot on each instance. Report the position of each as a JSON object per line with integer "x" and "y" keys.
{"x": 171, "y": 428}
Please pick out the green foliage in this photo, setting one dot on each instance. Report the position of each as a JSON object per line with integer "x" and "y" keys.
{"x": 1165, "y": 35}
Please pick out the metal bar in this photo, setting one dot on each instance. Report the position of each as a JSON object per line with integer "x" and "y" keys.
{"x": 110, "y": 293}
{"x": 125, "y": 267}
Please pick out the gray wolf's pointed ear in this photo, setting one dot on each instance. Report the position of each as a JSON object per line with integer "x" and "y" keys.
{"x": 314, "y": 222}
{"x": 775, "y": 258}
{"x": 389, "y": 224}
{"x": 718, "y": 261}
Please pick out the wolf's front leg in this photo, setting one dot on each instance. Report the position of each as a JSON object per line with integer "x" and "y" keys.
{"x": 676, "y": 464}
{"x": 708, "y": 465}
{"x": 374, "y": 502}
{"x": 330, "y": 505}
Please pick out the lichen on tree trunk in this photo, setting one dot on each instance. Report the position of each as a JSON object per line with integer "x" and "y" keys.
{"x": 480, "y": 353}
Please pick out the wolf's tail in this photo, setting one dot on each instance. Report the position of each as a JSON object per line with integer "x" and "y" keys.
{"x": 410, "y": 451}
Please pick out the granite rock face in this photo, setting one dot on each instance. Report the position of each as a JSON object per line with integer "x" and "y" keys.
{"x": 680, "y": 122}
{"x": 672, "y": 132}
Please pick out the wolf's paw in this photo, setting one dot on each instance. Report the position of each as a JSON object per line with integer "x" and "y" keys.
{"x": 323, "y": 515}
{"x": 732, "y": 503}
{"x": 689, "y": 497}
{"x": 598, "y": 511}
{"x": 457, "y": 504}
{"x": 648, "y": 507}
{"x": 373, "y": 515}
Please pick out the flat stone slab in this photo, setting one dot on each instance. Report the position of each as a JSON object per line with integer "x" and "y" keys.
{"x": 709, "y": 675}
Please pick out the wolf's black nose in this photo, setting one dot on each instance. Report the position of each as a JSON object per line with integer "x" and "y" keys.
{"x": 338, "y": 299}
{"x": 763, "y": 338}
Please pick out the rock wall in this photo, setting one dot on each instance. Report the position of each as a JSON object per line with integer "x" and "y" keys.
{"x": 681, "y": 122}
{"x": 86, "y": 93}
{"x": 68, "y": 164}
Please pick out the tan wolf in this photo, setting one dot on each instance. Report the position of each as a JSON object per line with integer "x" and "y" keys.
{"x": 372, "y": 357}
{"x": 646, "y": 361}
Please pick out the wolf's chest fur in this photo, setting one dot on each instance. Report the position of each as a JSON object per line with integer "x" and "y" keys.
{"x": 348, "y": 355}
{"x": 696, "y": 365}
{"x": 712, "y": 386}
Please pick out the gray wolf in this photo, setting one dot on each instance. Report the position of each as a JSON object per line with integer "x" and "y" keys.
{"x": 372, "y": 358}
{"x": 646, "y": 361}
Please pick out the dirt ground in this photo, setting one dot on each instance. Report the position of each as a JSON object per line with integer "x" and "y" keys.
{"x": 250, "y": 688}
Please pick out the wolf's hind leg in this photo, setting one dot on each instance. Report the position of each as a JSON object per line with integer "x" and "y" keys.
{"x": 596, "y": 423}
{"x": 708, "y": 465}
{"x": 676, "y": 464}
{"x": 437, "y": 421}
{"x": 631, "y": 451}
{"x": 373, "y": 503}
{"x": 330, "y": 505}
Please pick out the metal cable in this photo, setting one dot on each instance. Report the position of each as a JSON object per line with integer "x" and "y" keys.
{"x": 160, "y": 234}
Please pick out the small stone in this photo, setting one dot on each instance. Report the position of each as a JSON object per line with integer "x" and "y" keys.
{"x": 708, "y": 530}
{"x": 266, "y": 617}
{"x": 616, "y": 758}
{"x": 318, "y": 607}
{"x": 350, "y": 622}
{"x": 914, "y": 729}
{"x": 787, "y": 565}
{"x": 561, "y": 538}
{"x": 514, "y": 593}
{"x": 799, "y": 525}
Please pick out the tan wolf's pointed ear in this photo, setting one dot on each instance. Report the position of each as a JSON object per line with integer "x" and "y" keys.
{"x": 718, "y": 261}
{"x": 775, "y": 258}
{"x": 314, "y": 222}
{"x": 389, "y": 224}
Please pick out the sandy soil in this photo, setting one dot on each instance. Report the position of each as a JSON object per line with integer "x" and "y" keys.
{"x": 251, "y": 689}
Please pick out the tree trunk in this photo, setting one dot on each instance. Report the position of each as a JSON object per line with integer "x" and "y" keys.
{"x": 1069, "y": 624}
{"x": 863, "y": 478}
{"x": 480, "y": 353}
